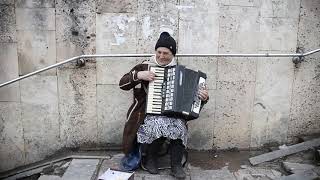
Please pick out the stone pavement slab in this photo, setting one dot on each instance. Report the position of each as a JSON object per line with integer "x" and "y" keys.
{"x": 297, "y": 167}
{"x": 81, "y": 169}
{"x": 307, "y": 175}
{"x": 256, "y": 173}
{"x": 221, "y": 174}
{"x": 284, "y": 152}
{"x": 49, "y": 177}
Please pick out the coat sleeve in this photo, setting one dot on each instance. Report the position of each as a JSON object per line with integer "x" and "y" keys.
{"x": 130, "y": 79}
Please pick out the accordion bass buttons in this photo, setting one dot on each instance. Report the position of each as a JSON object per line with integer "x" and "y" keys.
{"x": 197, "y": 103}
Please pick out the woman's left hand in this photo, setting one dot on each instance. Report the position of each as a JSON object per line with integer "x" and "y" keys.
{"x": 203, "y": 93}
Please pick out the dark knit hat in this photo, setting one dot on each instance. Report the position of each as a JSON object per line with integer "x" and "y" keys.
{"x": 165, "y": 40}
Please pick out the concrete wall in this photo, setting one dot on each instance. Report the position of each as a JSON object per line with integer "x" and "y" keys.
{"x": 253, "y": 101}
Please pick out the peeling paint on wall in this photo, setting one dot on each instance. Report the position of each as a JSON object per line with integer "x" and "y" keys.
{"x": 146, "y": 27}
{"x": 122, "y": 25}
{"x": 119, "y": 39}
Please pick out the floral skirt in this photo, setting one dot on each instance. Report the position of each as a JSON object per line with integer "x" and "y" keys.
{"x": 155, "y": 127}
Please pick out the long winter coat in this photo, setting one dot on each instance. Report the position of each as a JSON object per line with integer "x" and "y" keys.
{"x": 136, "y": 112}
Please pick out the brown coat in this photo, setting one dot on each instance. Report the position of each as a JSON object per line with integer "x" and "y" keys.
{"x": 136, "y": 112}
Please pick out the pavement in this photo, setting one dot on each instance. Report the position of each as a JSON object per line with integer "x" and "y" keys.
{"x": 226, "y": 165}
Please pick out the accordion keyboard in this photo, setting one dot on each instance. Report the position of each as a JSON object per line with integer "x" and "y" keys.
{"x": 154, "y": 105}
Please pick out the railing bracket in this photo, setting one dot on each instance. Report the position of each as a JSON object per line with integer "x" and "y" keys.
{"x": 80, "y": 63}
{"x": 298, "y": 59}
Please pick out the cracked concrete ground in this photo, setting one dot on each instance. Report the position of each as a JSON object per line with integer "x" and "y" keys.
{"x": 226, "y": 165}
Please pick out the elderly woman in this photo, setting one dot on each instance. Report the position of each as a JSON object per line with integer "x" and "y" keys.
{"x": 151, "y": 129}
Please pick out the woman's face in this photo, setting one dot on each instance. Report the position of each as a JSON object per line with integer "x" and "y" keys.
{"x": 163, "y": 56}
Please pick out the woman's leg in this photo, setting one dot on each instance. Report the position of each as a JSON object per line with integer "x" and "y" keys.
{"x": 152, "y": 156}
{"x": 177, "y": 151}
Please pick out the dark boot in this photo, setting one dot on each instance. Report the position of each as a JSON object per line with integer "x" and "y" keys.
{"x": 177, "y": 151}
{"x": 152, "y": 157}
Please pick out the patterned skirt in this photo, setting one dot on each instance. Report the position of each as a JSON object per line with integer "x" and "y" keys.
{"x": 155, "y": 127}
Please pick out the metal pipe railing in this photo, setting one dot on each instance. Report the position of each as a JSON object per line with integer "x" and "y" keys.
{"x": 298, "y": 55}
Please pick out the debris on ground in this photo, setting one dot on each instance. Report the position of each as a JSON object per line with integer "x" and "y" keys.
{"x": 285, "y": 151}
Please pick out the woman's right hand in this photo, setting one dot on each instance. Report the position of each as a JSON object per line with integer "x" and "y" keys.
{"x": 146, "y": 75}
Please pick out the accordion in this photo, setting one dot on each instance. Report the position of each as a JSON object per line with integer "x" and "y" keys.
{"x": 174, "y": 92}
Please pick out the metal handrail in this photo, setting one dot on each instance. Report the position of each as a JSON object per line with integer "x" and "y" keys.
{"x": 299, "y": 55}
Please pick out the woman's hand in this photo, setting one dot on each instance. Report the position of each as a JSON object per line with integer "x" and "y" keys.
{"x": 203, "y": 93}
{"x": 146, "y": 75}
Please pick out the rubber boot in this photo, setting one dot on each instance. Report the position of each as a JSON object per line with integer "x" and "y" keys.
{"x": 177, "y": 151}
{"x": 152, "y": 157}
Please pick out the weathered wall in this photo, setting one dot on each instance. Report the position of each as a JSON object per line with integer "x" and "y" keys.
{"x": 253, "y": 101}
